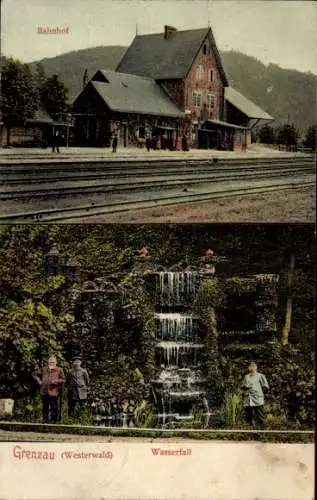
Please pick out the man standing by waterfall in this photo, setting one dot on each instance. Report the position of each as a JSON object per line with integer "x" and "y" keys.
{"x": 77, "y": 382}
{"x": 50, "y": 379}
{"x": 253, "y": 385}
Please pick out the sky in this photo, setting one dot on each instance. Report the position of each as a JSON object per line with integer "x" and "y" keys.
{"x": 279, "y": 31}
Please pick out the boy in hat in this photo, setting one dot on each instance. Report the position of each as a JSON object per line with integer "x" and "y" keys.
{"x": 50, "y": 379}
{"x": 253, "y": 385}
{"x": 77, "y": 382}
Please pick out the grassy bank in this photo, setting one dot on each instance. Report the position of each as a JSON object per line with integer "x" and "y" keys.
{"x": 273, "y": 436}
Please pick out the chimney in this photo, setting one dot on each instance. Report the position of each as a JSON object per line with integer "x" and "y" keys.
{"x": 168, "y": 31}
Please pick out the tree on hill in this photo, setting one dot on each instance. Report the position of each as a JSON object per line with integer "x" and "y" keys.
{"x": 267, "y": 135}
{"x": 40, "y": 75}
{"x": 19, "y": 95}
{"x": 53, "y": 95}
{"x": 85, "y": 78}
{"x": 311, "y": 137}
{"x": 287, "y": 135}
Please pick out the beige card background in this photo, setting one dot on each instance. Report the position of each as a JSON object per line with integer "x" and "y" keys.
{"x": 214, "y": 470}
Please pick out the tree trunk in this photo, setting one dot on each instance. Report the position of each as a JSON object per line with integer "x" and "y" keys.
{"x": 289, "y": 303}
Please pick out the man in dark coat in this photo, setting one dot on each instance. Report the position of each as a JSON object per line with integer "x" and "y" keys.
{"x": 56, "y": 140}
{"x": 184, "y": 143}
{"x": 114, "y": 143}
{"x": 50, "y": 379}
{"x": 77, "y": 382}
{"x": 148, "y": 142}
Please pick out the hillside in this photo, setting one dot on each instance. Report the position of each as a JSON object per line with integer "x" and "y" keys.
{"x": 71, "y": 66}
{"x": 283, "y": 93}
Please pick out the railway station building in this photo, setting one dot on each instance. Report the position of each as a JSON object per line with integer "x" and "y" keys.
{"x": 167, "y": 84}
{"x": 133, "y": 107}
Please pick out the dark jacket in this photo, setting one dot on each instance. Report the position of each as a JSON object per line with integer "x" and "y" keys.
{"x": 50, "y": 379}
{"x": 77, "y": 382}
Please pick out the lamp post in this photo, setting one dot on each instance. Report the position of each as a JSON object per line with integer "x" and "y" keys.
{"x": 58, "y": 264}
{"x": 52, "y": 261}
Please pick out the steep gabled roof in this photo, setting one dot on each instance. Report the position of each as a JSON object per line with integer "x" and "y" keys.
{"x": 249, "y": 108}
{"x": 126, "y": 93}
{"x": 155, "y": 57}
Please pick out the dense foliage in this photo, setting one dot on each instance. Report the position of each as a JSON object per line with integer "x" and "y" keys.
{"x": 53, "y": 95}
{"x": 107, "y": 315}
{"x": 113, "y": 331}
{"x": 287, "y": 135}
{"x": 311, "y": 137}
{"x": 24, "y": 91}
{"x": 19, "y": 96}
{"x": 266, "y": 135}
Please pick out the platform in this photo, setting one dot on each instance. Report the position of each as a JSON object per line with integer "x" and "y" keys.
{"x": 255, "y": 151}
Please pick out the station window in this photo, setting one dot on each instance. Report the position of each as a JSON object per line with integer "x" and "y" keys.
{"x": 197, "y": 99}
{"x": 210, "y": 101}
{"x": 211, "y": 75}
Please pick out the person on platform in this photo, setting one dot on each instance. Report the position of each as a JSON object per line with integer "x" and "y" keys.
{"x": 114, "y": 143}
{"x": 184, "y": 143}
{"x": 50, "y": 379}
{"x": 77, "y": 382}
{"x": 164, "y": 141}
{"x": 154, "y": 142}
{"x": 148, "y": 142}
{"x": 56, "y": 140}
{"x": 253, "y": 385}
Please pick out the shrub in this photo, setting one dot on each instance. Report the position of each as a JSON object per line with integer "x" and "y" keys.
{"x": 233, "y": 410}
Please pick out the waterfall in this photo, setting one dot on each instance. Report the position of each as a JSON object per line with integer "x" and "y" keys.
{"x": 174, "y": 326}
{"x": 177, "y": 346}
{"x": 172, "y": 350}
{"x": 173, "y": 288}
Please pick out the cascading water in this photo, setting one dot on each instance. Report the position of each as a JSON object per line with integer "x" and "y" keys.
{"x": 178, "y": 348}
{"x": 176, "y": 288}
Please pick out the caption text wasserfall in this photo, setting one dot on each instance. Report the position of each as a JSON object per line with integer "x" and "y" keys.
{"x": 21, "y": 453}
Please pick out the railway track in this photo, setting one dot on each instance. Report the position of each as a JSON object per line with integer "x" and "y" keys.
{"x": 79, "y": 172}
{"x": 80, "y": 189}
{"x": 71, "y": 213}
